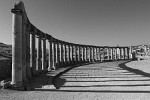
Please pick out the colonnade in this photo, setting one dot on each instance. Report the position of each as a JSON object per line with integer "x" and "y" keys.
{"x": 35, "y": 51}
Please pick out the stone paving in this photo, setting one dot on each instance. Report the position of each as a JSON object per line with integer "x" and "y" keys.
{"x": 104, "y": 81}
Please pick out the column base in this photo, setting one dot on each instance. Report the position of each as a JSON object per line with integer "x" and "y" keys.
{"x": 17, "y": 84}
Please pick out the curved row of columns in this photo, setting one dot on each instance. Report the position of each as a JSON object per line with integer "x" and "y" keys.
{"x": 34, "y": 51}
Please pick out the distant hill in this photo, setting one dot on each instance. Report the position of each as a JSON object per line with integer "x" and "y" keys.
{"x": 5, "y": 50}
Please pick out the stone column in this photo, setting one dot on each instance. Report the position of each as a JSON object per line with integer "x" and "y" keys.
{"x": 50, "y": 55}
{"x": 112, "y": 53}
{"x": 17, "y": 47}
{"x": 120, "y": 51}
{"x": 124, "y": 53}
{"x": 56, "y": 58}
{"x": 87, "y": 54}
{"x": 75, "y": 54}
{"x": 39, "y": 54}
{"x": 83, "y": 54}
{"x": 128, "y": 53}
{"x": 44, "y": 54}
{"x": 65, "y": 54}
{"x": 62, "y": 55}
{"x": 28, "y": 70}
{"x": 24, "y": 49}
{"x": 97, "y": 50}
{"x": 100, "y": 54}
{"x": 79, "y": 54}
{"x": 72, "y": 52}
{"x": 69, "y": 55}
{"x": 54, "y": 55}
{"x": 93, "y": 54}
{"x": 33, "y": 52}
{"x": 116, "y": 54}
{"x": 108, "y": 53}
{"x": 58, "y": 55}
{"x": 90, "y": 53}
{"x": 104, "y": 49}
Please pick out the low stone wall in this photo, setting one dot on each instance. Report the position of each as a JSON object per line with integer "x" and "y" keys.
{"x": 5, "y": 68}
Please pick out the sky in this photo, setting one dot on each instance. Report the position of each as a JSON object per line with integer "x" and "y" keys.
{"x": 91, "y": 22}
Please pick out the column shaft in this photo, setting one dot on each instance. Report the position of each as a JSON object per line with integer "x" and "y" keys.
{"x": 69, "y": 55}
{"x": 17, "y": 50}
{"x": 54, "y": 56}
{"x": 62, "y": 56}
{"x": 44, "y": 54}
{"x": 39, "y": 54}
{"x": 33, "y": 53}
{"x": 58, "y": 55}
{"x": 50, "y": 56}
{"x": 28, "y": 70}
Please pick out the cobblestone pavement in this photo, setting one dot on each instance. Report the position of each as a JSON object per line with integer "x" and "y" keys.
{"x": 104, "y": 81}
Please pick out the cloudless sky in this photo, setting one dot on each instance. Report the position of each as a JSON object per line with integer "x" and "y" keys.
{"x": 94, "y": 22}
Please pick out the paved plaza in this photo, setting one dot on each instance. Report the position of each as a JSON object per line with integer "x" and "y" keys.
{"x": 103, "y": 81}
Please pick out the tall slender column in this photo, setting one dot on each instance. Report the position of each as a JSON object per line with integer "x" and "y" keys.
{"x": 108, "y": 53}
{"x": 124, "y": 53}
{"x": 54, "y": 55}
{"x": 56, "y": 58}
{"x": 89, "y": 51}
{"x": 75, "y": 54}
{"x": 93, "y": 54}
{"x": 104, "y": 50}
{"x": 116, "y": 54}
{"x": 39, "y": 53}
{"x": 50, "y": 55}
{"x": 83, "y": 54}
{"x": 58, "y": 55}
{"x": 33, "y": 53}
{"x": 65, "y": 54}
{"x": 112, "y": 53}
{"x": 97, "y": 54}
{"x": 28, "y": 70}
{"x": 87, "y": 58}
{"x": 120, "y": 51}
{"x": 24, "y": 49}
{"x": 17, "y": 49}
{"x": 79, "y": 54}
{"x": 69, "y": 54}
{"x": 62, "y": 56}
{"x": 128, "y": 53}
{"x": 44, "y": 54}
{"x": 100, "y": 54}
